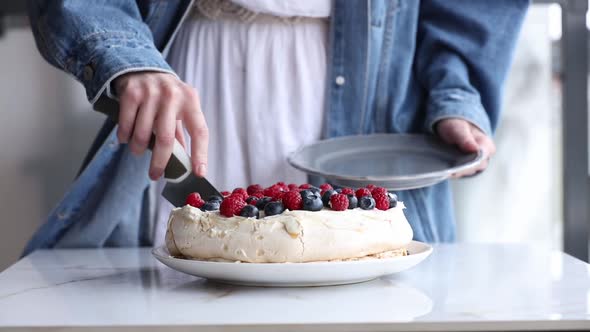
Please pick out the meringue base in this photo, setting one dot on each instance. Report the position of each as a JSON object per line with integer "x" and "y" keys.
{"x": 293, "y": 236}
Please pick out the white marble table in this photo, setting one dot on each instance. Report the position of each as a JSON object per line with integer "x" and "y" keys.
{"x": 460, "y": 287}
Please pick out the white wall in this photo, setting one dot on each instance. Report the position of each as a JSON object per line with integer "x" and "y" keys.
{"x": 46, "y": 125}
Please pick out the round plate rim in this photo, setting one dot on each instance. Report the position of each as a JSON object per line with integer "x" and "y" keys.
{"x": 426, "y": 252}
{"x": 424, "y": 176}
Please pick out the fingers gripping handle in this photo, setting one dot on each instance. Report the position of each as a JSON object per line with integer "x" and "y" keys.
{"x": 179, "y": 165}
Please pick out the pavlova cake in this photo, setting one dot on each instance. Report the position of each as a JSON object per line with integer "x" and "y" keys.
{"x": 290, "y": 223}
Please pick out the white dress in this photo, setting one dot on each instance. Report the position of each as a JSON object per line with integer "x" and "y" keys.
{"x": 261, "y": 82}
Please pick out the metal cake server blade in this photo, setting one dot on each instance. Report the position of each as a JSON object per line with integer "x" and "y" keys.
{"x": 176, "y": 193}
{"x": 181, "y": 181}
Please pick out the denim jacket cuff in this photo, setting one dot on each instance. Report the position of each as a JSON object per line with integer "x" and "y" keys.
{"x": 108, "y": 86}
{"x": 457, "y": 104}
{"x": 103, "y": 67}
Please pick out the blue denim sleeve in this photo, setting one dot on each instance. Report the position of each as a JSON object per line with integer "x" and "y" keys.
{"x": 463, "y": 55}
{"x": 95, "y": 41}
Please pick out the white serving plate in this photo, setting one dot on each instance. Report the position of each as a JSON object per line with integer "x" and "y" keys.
{"x": 295, "y": 274}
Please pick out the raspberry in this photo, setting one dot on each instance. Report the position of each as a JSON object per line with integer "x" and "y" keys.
{"x": 282, "y": 185}
{"x": 231, "y": 206}
{"x": 225, "y": 193}
{"x": 378, "y": 190}
{"x": 360, "y": 192}
{"x": 381, "y": 201}
{"x": 278, "y": 195}
{"x": 237, "y": 196}
{"x": 339, "y": 202}
{"x": 195, "y": 200}
{"x": 347, "y": 191}
{"x": 292, "y": 200}
{"x": 242, "y": 192}
{"x": 257, "y": 194}
{"x": 293, "y": 186}
{"x": 253, "y": 189}
{"x": 305, "y": 186}
{"x": 370, "y": 186}
{"x": 272, "y": 190}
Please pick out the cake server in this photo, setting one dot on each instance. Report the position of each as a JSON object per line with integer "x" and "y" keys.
{"x": 180, "y": 180}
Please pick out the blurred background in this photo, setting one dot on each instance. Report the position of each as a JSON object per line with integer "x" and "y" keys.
{"x": 535, "y": 190}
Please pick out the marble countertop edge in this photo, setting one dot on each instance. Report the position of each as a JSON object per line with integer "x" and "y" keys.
{"x": 561, "y": 325}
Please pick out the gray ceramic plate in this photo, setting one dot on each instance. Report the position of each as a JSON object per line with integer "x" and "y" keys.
{"x": 393, "y": 161}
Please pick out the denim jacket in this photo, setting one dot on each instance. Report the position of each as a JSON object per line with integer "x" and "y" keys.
{"x": 395, "y": 66}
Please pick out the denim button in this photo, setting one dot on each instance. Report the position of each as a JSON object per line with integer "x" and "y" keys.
{"x": 88, "y": 73}
{"x": 455, "y": 96}
{"x": 340, "y": 80}
{"x": 62, "y": 215}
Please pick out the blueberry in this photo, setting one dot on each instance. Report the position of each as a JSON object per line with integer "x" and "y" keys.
{"x": 315, "y": 189}
{"x": 250, "y": 211}
{"x": 215, "y": 198}
{"x": 307, "y": 193}
{"x": 312, "y": 201}
{"x": 352, "y": 202}
{"x": 251, "y": 198}
{"x": 339, "y": 190}
{"x": 392, "y": 199}
{"x": 367, "y": 203}
{"x": 211, "y": 205}
{"x": 326, "y": 197}
{"x": 262, "y": 202}
{"x": 273, "y": 208}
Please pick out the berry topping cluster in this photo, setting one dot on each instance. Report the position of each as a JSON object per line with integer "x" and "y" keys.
{"x": 256, "y": 201}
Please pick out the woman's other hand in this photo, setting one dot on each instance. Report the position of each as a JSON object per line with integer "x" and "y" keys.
{"x": 160, "y": 103}
{"x": 468, "y": 138}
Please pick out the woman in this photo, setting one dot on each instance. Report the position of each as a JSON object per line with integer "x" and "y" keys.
{"x": 272, "y": 75}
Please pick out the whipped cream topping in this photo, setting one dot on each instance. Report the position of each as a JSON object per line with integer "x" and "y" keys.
{"x": 293, "y": 236}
